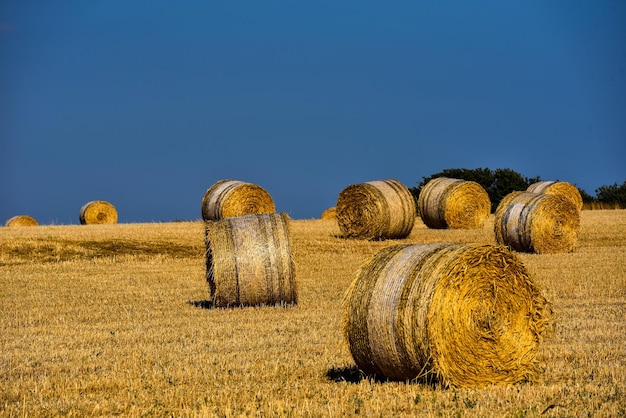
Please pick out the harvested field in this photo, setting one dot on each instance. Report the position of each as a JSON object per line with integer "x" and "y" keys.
{"x": 114, "y": 320}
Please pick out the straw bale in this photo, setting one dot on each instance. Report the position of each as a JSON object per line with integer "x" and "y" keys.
{"x": 248, "y": 261}
{"x": 376, "y": 210}
{"x": 453, "y": 203}
{"x": 560, "y": 188}
{"x": 537, "y": 223}
{"x": 230, "y": 198}
{"x": 465, "y": 315}
{"x": 330, "y": 213}
{"x": 21, "y": 220}
{"x": 98, "y": 212}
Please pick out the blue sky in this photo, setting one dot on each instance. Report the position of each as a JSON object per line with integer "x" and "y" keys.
{"x": 146, "y": 104}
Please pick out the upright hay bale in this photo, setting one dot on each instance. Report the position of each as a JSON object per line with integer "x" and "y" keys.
{"x": 559, "y": 188}
{"x": 330, "y": 213}
{"x": 452, "y": 203}
{"x": 248, "y": 261}
{"x": 376, "y": 210}
{"x": 230, "y": 198}
{"x": 539, "y": 223}
{"x": 98, "y": 212}
{"x": 21, "y": 220}
{"x": 466, "y": 315}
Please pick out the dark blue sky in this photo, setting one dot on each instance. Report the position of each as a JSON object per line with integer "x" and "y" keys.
{"x": 146, "y": 104}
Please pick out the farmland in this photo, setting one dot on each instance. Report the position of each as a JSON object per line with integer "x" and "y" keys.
{"x": 116, "y": 320}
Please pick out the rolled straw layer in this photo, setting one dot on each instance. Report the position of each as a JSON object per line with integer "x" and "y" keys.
{"x": 21, "y": 220}
{"x": 452, "y": 203}
{"x": 464, "y": 315}
{"x": 537, "y": 223}
{"x": 230, "y": 198}
{"x": 559, "y": 188}
{"x": 376, "y": 210}
{"x": 248, "y": 261}
{"x": 330, "y": 213}
{"x": 98, "y": 212}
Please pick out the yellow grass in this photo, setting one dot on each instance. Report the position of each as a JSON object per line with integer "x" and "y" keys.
{"x": 112, "y": 320}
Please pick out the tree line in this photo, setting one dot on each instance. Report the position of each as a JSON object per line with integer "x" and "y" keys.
{"x": 502, "y": 181}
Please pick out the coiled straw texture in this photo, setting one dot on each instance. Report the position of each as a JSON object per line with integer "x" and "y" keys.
{"x": 382, "y": 209}
{"x": 97, "y": 212}
{"x": 559, "y": 188}
{"x": 452, "y": 203}
{"x": 21, "y": 220}
{"x": 230, "y": 198}
{"x": 537, "y": 223}
{"x": 248, "y": 261}
{"x": 461, "y": 314}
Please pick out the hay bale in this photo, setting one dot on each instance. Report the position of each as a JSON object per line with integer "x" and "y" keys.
{"x": 98, "y": 212}
{"x": 465, "y": 315}
{"x": 330, "y": 213}
{"x": 376, "y": 210}
{"x": 248, "y": 261}
{"x": 537, "y": 223}
{"x": 21, "y": 220}
{"x": 559, "y": 188}
{"x": 230, "y": 198}
{"x": 452, "y": 203}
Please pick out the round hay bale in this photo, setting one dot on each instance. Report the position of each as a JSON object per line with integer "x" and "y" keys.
{"x": 248, "y": 261}
{"x": 21, "y": 220}
{"x": 452, "y": 203}
{"x": 230, "y": 198}
{"x": 537, "y": 223}
{"x": 98, "y": 212}
{"x": 466, "y": 315}
{"x": 559, "y": 188}
{"x": 330, "y": 213}
{"x": 383, "y": 209}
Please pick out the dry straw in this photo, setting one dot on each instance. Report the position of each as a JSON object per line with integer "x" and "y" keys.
{"x": 98, "y": 212}
{"x": 248, "y": 261}
{"x": 537, "y": 223}
{"x": 559, "y": 188}
{"x": 21, "y": 220}
{"x": 452, "y": 203}
{"x": 376, "y": 210}
{"x": 230, "y": 198}
{"x": 464, "y": 315}
{"x": 330, "y": 213}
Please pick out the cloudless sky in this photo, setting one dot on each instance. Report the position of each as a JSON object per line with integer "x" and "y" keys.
{"x": 146, "y": 104}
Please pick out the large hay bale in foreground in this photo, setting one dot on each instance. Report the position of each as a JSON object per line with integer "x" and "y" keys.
{"x": 464, "y": 315}
{"x": 376, "y": 210}
{"x": 330, "y": 213}
{"x": 230, "y": 198}
{"x": 248, "y": 261}
{"x": 21, "y": 220}
{"x": 453, "y": 203}
{"x": 537, "y": 223}
{"x": 559, "y": 188}
{"x": 98, "y": 212}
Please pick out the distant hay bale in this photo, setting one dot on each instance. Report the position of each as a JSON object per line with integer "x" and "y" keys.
{"x": 330, "y": 213}
{"x": 537, "y": 223}
{"x": 98, "y": 212}
{"x": 452, "y": 203}
{"x": 466, "y": 315}
{"x": 383, "y": 209}
{"x": 559, "y": 188}
{"x": 21, "y": 220}
{"x": 230, "y": 198}
{"x": 248, "y": 261}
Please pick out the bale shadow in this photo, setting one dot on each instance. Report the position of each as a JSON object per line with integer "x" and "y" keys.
{"x": 204, "y": 304}
{"x": 354, "y": 375}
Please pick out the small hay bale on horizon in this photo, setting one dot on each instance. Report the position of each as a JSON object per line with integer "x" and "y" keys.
{"x": 21, "y": 220}
{"x": 330, "y": 213}
{"x": 453, "y": 203}
{"x": 465, "y": 315}
{"x": 231, "y": 198}
{"x": 381, "y": 209}
{"x": 559, "y": 188}
{"x": 537, "y": 223}
{"x": 249, "y": 261}
{"x": 97, "y": 212}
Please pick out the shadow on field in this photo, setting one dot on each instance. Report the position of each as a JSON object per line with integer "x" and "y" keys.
{"x": 354, "y": 375}
{"x": 204, "y": 304}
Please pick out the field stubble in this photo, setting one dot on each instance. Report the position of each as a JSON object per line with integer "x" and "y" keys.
{"x": 115, "y": 319}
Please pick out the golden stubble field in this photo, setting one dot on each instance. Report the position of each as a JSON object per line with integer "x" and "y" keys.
{"x": 114, "y": 320}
